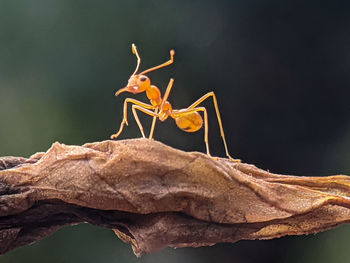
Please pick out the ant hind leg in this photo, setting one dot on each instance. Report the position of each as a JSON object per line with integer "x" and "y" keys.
{"x": 203, "y": 98}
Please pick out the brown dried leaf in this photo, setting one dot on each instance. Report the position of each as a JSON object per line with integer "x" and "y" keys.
{"x": 170, "y": 198}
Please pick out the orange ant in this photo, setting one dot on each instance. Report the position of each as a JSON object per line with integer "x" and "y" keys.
{"x": 188, "y": 119}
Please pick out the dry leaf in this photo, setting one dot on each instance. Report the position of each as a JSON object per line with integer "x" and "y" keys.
{"x": 175, "y": 198}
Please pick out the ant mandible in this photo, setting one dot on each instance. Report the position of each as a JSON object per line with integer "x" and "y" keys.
{"x": 188, "y": 119}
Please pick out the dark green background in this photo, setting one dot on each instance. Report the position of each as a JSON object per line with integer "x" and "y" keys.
{"x": 280, "y": 70}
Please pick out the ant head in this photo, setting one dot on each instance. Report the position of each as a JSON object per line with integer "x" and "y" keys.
{"x": 136, "y": 84}
{"x": 139, "y": 83}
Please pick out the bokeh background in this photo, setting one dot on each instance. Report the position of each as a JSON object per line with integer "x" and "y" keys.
{"x": 280, "y": 70}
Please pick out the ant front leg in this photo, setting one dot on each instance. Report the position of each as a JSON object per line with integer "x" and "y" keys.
{"x": 125, "y": 114}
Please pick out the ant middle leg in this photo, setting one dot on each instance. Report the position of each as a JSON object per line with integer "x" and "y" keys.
{"x": 138, "y": 121}
{"x": 153, "y": 125}
{"x": 145, "y": 110}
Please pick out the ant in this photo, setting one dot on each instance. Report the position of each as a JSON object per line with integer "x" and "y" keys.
{"x": 188, "y": 119}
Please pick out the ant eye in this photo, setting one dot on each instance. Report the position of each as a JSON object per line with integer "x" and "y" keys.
{"x": 143, "y": 79}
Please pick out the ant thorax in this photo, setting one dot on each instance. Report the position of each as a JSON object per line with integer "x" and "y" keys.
{"x": 165, "y": 110}
{"x": 154, "y": 95}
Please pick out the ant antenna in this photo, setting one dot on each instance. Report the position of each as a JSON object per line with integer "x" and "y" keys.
{"x": 134, "y": 51}
{"x": 170, "y": 61}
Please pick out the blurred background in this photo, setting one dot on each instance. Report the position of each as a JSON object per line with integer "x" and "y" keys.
{"x": 280, "y": 70}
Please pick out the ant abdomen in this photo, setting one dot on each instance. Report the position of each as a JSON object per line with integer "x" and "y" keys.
{"x": 189, "y": 122}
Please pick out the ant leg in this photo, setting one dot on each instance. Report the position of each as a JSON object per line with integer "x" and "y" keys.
{"x": 206, "y": 139}
{"x": 116, "y": 135}
{"x": 204, "y": 110}
{"x": 145, "y": 110}
{"x": 151, "y": 113}
{"x": 200, "y": 100}
{"x": 169, "y": 62}
{"x": 138, "y": 121}
{"x": 153, "y": 125}
{"x": 125, "y": 114}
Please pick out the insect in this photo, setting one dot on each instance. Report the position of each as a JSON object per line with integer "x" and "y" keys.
{"x": 188, "y": 119}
